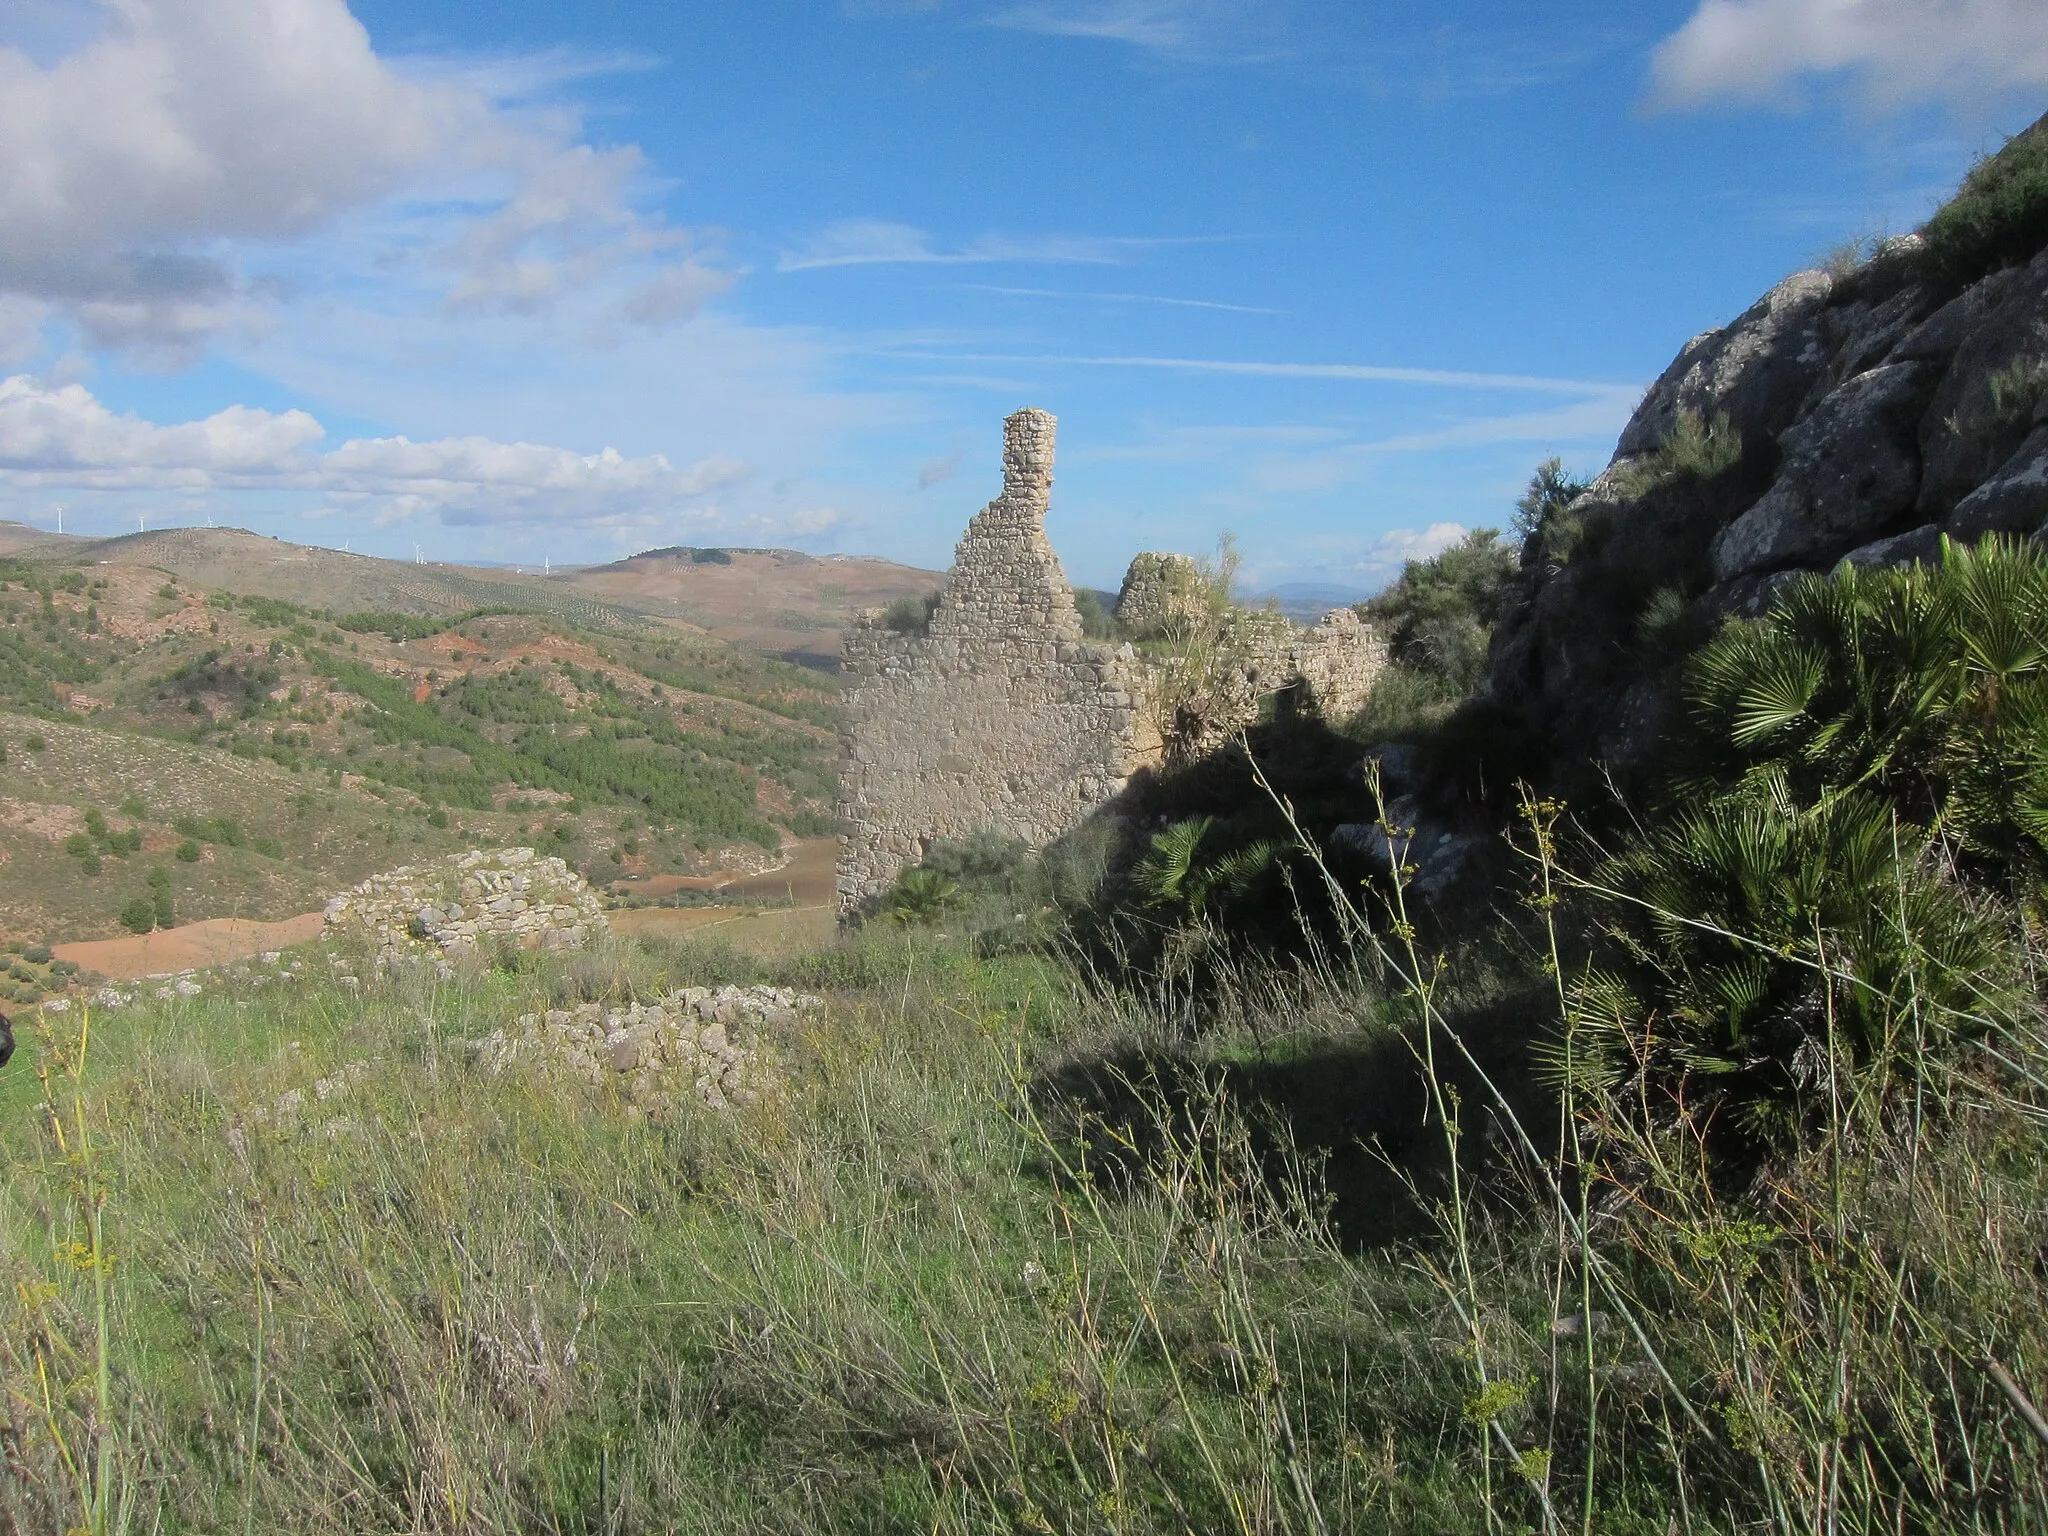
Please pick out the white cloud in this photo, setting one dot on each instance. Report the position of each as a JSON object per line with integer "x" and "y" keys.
{"x": 1897, "y": 50}
{"x": 139, "y": 167}
{"x": 63, "y": 436}
{"x": 471, "y": 480}
{"x": 1358, "y": 372}
{"x": 1231, "y": 31}
{"x": 1397, "y": 546}
{"x": 877, "y": 242}
{"x": 1121, "y": 298}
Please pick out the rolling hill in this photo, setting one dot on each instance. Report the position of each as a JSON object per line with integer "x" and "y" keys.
{"x": 268, "y": 723}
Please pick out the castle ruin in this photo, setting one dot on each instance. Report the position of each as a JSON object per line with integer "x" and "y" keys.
{"x": 1001, "y": 715}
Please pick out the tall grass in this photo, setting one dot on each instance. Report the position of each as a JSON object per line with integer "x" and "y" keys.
{"x": 1007, "y": 1252}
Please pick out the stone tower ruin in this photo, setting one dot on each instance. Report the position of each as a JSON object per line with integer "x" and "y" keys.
{"x": 996, "y": 714}
{"x": 1000, "y": 714}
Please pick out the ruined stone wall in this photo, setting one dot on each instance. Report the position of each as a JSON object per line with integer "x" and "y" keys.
{"x": 1001, "y": 715}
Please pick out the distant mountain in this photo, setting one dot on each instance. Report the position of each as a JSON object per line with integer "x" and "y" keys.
{"x": 1306, "y": 601}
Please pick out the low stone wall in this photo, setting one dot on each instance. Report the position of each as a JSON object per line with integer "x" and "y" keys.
{"x": 507, "y": 895}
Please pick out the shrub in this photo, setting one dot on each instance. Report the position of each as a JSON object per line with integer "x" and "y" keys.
{"x": 1190, "y": 868}
{"x": 1695, "y": 449}
{"x": 188, "y": 851}
{"x": 139, "y": 916}
{"x": 919, "y": 896}
{"x": 1098, "y": 618}
{"x": 2017, "y": 388}
{"x": 986, "y": 863}
{"x": 1439, "y": 613}
{"x": 437, "y": 817}
{"x": 1927, "y": 687}
{"x": 34, "y": 741}
{"x": 1543, "y": 520}
{"x": 1777, "y": 956}
{"x": 911, "y": 615}
{"x": 1998, "y": 217}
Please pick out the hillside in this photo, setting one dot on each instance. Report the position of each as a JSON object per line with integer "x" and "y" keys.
{"x": 775, "y": 601}
{"x": 266, "y": 753}
{"x": 772, "y": 600}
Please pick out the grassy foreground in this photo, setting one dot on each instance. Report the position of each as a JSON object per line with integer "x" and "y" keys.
{"x": 1000, "y": 1254}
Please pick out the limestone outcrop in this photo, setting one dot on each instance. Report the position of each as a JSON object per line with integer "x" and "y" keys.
{"x": 503, "y": 896}
{"x": 1855, "y": 415}
{"x": 1002, "y": 716}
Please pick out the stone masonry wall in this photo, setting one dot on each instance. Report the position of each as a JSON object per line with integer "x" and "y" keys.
{"x": 1001, "y": 715}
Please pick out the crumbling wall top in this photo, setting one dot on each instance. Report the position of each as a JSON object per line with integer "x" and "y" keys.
{"x": 1027, "y": 456}
{"x": 1006, "y": 584}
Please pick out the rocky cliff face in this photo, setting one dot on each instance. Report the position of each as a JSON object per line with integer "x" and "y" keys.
{"x": 1854, "y": 415}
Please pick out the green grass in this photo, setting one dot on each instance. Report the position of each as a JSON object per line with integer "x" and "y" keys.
{"x": 1000, "y": 1254}
{"x": 1998, "y": 217}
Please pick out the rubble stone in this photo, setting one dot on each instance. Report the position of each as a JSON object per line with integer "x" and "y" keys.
{"x": 658, "y": 1054}
{"x": 506, "y": 895}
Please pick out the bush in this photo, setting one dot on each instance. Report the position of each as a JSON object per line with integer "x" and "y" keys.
{"x": 1439, "y": 614}
{"x": 437, "y": 817}
{"x": 1925, "y": 686}
{"x": 919, "y": 896}
{"x": 1998, "y": 217}
{"x": 1098, "y": 618}
{"x": 1787, "y": 954}
{"x": 986, "y": 863}
{"x": 911, "y": 615}
{"x": 139, "y": 916}
{"x": 1695, "y": 449}
{"x": 189, "y": 851}
{"x": 34, "y": 741}
{"x": 1543, "y": 519}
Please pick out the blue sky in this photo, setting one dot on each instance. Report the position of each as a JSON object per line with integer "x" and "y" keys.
{"x": 506, "y": 281}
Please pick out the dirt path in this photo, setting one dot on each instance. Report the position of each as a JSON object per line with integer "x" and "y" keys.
{"x": 809, "y": 877}
{"x": 217, "y": 941}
